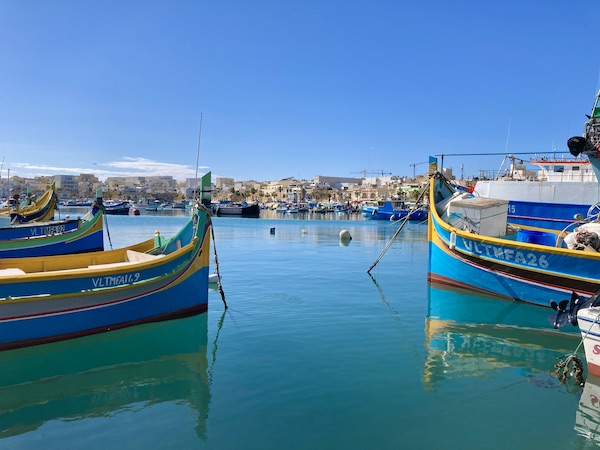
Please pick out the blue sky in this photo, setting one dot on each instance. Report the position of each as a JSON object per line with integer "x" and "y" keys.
{"x": 289, "y": 88}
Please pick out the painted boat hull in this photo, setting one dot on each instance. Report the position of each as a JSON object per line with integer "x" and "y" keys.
{"x": 385, "y": 211}
{"x": 54, "y": 238}
{"x": 74, "y": 297}
{"x": 553, "y": 216}
{"x": 505, "y": 268}
{"x": 252, "y": 211}
{"x": 120, "y": 209}
{"x": 588, "y": 320}
{"x": 36, "y": 229}
{"x": 544, "y": 204}
{"x": 420, "y": 215}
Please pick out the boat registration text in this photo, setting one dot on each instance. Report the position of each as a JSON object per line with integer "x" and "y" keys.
{"x": 115, "y": 280}
{"x": 506, "y": 254}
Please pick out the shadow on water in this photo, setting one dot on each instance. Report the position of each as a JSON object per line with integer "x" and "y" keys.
{"x": 101, "y": 375}
{"x": 471, "y": 336}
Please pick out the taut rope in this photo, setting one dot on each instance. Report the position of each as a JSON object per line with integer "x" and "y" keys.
{"x": 425, "y": 190}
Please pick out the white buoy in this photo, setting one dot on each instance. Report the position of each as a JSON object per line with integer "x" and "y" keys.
{"x": 345, "y": 236}
{"x": 304, "y": 232}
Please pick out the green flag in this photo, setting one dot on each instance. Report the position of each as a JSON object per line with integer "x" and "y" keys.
{"x": 205, "y": 189}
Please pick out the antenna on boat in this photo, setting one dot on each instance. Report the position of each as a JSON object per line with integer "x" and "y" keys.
{"x": 506, "y": 155}
{"x": 197, "y": 161}
{"x": 508, "y": 134}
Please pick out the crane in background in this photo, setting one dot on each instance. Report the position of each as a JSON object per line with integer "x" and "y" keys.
{"x": 382, "y": 173}
{"x": 364, "y": 172}
{"x": 414, "y": 166}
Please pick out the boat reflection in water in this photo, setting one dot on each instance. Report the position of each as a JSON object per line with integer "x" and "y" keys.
{"x": 587, "y": 420}
{"x": 472, "y": 336}
{"x": 106, "y": 374}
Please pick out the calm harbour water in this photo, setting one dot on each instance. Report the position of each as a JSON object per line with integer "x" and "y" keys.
{"x": 313, "y": 353}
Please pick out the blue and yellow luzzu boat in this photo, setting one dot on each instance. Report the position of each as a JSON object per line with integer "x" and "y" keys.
{"x": 55, "y": 237}
{"x": 45, "y": 299}
{"x": 472, "y": 246}
{"x": 39, "y": 210}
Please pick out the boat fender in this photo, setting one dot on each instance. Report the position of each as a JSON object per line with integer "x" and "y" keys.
{"x": 452, "y": 243}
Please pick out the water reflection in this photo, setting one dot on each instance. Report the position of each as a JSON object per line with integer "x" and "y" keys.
{"x": 587, "y": 420}
{"x": 471, "y": 336}
{"x": 99, "y": 376}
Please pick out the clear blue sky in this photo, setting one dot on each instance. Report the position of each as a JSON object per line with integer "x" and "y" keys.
{"x": 289, "y": 88}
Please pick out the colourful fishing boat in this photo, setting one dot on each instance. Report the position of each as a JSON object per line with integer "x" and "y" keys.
{"x": 57, "y": 237}
{"x": 471, "y": 244}
{"x": 116, "y": 208}
{"x": 53, "y": 298}
{"x": 394, "y": 210}
{"x": 238, "y": 210}
{"x": 38, "y": 210}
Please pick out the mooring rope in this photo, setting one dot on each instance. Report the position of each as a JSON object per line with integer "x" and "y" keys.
{"x": 564, "y": 370}
{"x": 220, "y": 285}
{"x": 389, "y": 244}
{"x": 107, "y": 230}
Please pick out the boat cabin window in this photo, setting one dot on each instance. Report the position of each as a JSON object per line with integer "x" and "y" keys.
{"x": 559, "y": 168}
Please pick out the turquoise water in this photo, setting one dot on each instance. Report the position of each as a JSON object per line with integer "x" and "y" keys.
{"x": 313, "y": 353}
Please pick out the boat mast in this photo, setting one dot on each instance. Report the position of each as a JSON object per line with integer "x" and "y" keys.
{"x": 197, "y": 161}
